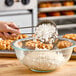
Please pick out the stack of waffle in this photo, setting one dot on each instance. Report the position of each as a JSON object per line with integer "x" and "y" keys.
{"x": 6, "y": 44}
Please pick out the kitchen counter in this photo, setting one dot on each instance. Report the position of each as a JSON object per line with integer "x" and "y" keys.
{"x": 12, "y": 67}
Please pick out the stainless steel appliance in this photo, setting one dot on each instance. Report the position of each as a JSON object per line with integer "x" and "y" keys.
{"x": 21, "y": 12}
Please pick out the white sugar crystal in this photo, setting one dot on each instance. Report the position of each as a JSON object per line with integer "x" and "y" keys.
{"x": 45, "y": 32}
{"x": 47, "y": 60}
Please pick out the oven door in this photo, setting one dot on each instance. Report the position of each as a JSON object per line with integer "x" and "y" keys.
{"x": 66, "y": 29}
{"x": 66, "y": 26}
{"x": 23, "y": 19}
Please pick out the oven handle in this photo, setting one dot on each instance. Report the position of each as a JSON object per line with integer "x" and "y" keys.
{"x": 14, "y": 13}
{"x": 66, "y": 26}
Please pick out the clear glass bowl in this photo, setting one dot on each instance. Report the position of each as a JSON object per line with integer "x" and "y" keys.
{"x": 42, "y": 60}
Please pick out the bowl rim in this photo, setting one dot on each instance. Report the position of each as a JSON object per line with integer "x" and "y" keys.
{"x": 29, "y": 38}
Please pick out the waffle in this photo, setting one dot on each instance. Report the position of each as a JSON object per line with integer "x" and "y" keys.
{"x": 72, "y": 37}
{"x": 6, "y": 44}
{"x": 74, "y": 49}
{"x": 64, "y": 44}
{"x": 21, "y": 36}
{"x": 33, "y": 44}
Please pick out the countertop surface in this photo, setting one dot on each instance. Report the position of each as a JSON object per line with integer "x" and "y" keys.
{"x": 12, "y": 67}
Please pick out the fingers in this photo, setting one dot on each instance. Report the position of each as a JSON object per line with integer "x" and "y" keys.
{"x": 2, "y": 36}
{"x": 13, "y": 25}
{"x": 13, "y": 34}
{"x": 8, "y": 27}
{"x": 7, "y": 36}
{"x": 12, "y": 30}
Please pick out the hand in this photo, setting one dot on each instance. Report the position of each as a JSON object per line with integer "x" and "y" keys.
{"x": 6, "y": 27}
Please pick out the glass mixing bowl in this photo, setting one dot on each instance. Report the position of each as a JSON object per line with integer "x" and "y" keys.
{"x": 42, "y": 60}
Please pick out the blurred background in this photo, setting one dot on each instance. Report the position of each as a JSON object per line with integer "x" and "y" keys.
{"x": 63, "y": 12}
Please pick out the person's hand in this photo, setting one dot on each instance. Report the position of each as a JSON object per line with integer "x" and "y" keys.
{"x": 8, "y": 29}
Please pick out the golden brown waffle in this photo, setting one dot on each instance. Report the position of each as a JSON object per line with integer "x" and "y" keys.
{"x": 72, "y": 37}
{"x": 74, "y": 49}
{"x": 5, "y": 45}
{"x": 64, "y": 44}
{"x": 33, "y": 44}
{"x": 21, "y": 36}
